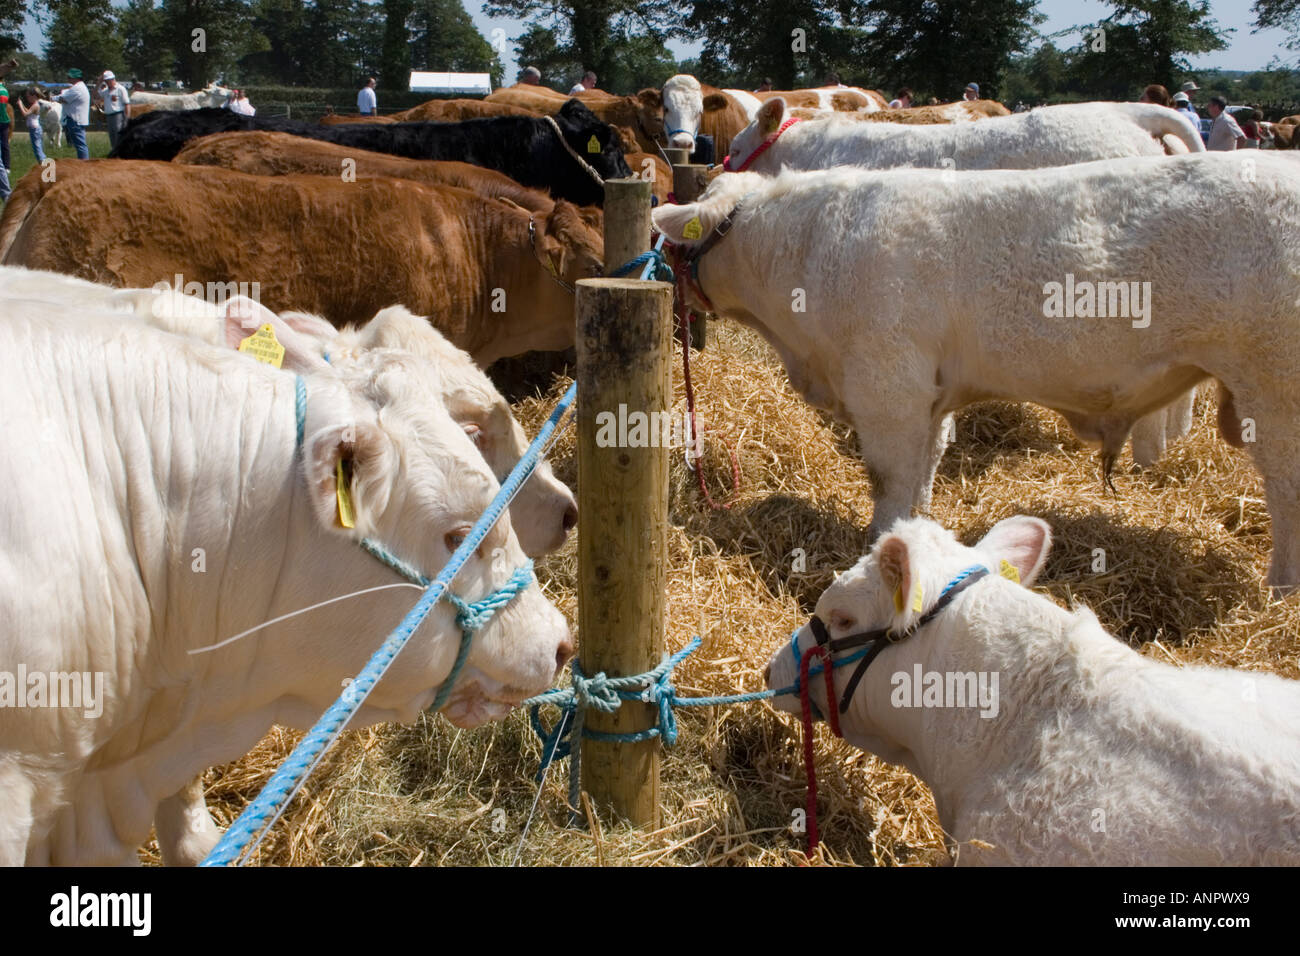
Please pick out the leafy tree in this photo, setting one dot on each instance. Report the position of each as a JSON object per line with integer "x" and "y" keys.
{"x": 1145, "y": 41}
{"x": 11, "y": 28}
{"x": 443, "y": 37}
{"x": 1282, "y": 15}
{"x": 596, "y": 35}
{"x": 144, "y": 48}
{"x": 795, "y": 42}
{"x": 206, "y": 38}
{"x": 395, "y": 54}
{"x": 643, "y": 61}
{"x": 937, "y": 48}
{"x": 83, "y": 34}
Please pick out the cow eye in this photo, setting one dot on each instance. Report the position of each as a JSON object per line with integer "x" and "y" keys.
{"x": 842, "y": 622}
{"x": 474, "y": 431}
{"x": 454, "y": 539}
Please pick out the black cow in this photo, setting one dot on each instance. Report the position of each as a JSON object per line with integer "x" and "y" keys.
{"x": 525, "y": 148}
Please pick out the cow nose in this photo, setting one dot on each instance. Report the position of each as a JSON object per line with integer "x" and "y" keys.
{"x": 570, "y": 518}
{"x": 563, "y": 654}
{"x": 767, "y": 675}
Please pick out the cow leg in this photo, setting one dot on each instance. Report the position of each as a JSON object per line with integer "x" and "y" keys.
{"x": 186, "y": 833}
{"x": 942, "y": 431}
{"x": 1271, "y": 433}
{"x": 1153, "y": 433}
{"x": 901, "y": 440}
{"x": 16, "y": 822}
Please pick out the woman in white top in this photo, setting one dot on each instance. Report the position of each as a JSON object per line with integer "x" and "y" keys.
{"x": 29, "y": 107}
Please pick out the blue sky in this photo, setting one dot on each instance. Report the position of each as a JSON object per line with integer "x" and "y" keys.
{"x": 1246, "y": 50}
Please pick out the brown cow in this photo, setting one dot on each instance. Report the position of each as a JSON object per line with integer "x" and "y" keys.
{"x": 964, "y": 111}
{"x": 642, "y": 113}
{"x": 847, "y": 100}
{"x": 494, "y": 278}
{"x": 435, "y": 111}
{"x": 281, "y": 154}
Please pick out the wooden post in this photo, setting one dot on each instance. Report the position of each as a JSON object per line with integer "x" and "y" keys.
{"x": 627, "y": 221}
{"x": 676, "y": 156}
{"x": 624, "y": 338}
{"x": 689, "y": 181}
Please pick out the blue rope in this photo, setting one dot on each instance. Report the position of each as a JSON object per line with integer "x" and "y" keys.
{"x": 291, "y": 774}
{"x": 300, "y": 406}
{"x": 653, "y": 264}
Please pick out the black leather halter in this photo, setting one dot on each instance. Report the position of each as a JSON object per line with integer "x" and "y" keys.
{"x": 883, "y": 637}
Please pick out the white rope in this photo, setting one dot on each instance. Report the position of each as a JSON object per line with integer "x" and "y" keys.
{"x": 573, "y": 152}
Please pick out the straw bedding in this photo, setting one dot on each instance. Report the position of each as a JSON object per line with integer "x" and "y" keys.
{"x": 1184, "y": 544}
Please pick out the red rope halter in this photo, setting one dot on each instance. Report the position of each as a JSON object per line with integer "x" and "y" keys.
{"x": 762, "y": 148}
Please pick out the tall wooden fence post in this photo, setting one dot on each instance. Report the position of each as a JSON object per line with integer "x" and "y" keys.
{"x": 624, "y": 339}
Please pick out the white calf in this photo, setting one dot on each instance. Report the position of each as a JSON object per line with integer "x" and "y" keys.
{"x": 1045, "y": 740}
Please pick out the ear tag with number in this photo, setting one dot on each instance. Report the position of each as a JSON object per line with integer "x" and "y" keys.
{"x": 917, "y": 598}
{"x": 347, "y": 517}
{"x": 1008, "y": 571}
{"x": 693, "y": 229}
{"x": 264, "y": 346}
{"x": 593, "y": 145}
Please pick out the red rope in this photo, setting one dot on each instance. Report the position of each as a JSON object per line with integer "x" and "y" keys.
{"x": 684, "y": 332}
{"x": 805, "y": 703}
{"x": 762, "y": 148}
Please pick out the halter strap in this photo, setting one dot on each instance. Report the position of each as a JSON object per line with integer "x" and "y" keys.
{"x": 877, "y": 640}
{"x": 763, "y": 147}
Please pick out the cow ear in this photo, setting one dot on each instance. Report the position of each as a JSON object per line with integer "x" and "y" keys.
{"x": 895, "y": 565}
{"x": 770, "y": 115}
{"x": 348, "y": 469}
{"x": 714, "y": 102}
{"x": 1020, "y": 543}
{"x": 652, "y": 98}
{"x": 243, "y": 316}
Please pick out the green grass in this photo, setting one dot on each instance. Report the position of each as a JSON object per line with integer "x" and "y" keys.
{"x": 21, "y": 158}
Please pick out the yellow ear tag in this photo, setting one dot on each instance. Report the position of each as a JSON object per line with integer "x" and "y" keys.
{"x": 693, "y": 229}
{"x": 263, "y": 346}
{"x": 593, "y": 145}
{"x": 916, "y": 598}
{"x": 898, "y": 600}
{"x": 347, "y": 517}
{"x": 1008, "y": 571}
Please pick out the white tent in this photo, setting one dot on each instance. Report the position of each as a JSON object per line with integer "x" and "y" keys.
{"x": 471, "y": 84}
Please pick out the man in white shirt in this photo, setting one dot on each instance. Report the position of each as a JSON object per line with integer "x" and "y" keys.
{"x": 238, "y": 103}
{"x": 367, "y": 104}
{"x": 117, "y": 106}
{"x": 1225, "y": 134}
{"x": 588, "y": 82}
{"x": 76, "y": 112}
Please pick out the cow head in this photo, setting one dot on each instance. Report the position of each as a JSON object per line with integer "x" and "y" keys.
{"x": 769, "y": 119}
{"x": 417, "y": 485}
{"x": 544, "y": 511}
{"x": 650, "y": 114}
{"x": 891, "y": 588}
{"x": 683, "y": 110}
{"x": 213, "y": 96}
{"x": 571, "y": 241}
{"x": 579, "y": 127}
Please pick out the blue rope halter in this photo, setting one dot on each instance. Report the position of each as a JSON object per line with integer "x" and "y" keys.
{"x": 470, "y": 617}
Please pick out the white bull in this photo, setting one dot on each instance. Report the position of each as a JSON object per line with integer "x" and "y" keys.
{"x": 1046, "y": 741}
{"x": 895, "y": 298}
{"x": 158, "y": 501}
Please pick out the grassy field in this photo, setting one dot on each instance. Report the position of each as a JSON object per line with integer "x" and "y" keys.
{"x": 1186, "y": 543}
{"x": 21, "y": 157}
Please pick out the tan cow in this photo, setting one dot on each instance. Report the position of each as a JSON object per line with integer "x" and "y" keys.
{"x": 435, "y": 111}
{"x": 964, "y": 111}
{"x": 642, "y": 113}
{"x": 850, "y": 99}
{"x": 491, "y": 276}
{"x": 281, "y": 154}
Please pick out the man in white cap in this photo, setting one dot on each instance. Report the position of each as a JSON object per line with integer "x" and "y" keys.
{"x": 1183, "y": 104}
{"x": 117, "y": 106}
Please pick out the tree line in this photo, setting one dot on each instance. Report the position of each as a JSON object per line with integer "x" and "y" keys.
{"x": 934, "y": 48}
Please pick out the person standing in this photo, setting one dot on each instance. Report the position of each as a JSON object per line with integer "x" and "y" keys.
{"x": 6, "y": 125}
{"x": 1225, "y": 134}
{"x": 117, "y": 107}
{"x": 1183, "y": 104}
{"x": 765, "y": 86}
{"x": 903, "y": 100}
{"x": 1156, "y": 94}
{"x": 588, "y": 82}
{"x": 29, "y": 105}
{"x": 972, "y": 92}
{"x": 76, "y": 112}
{"x": 367, "y": 103}
{"x": 531, "y": 76}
